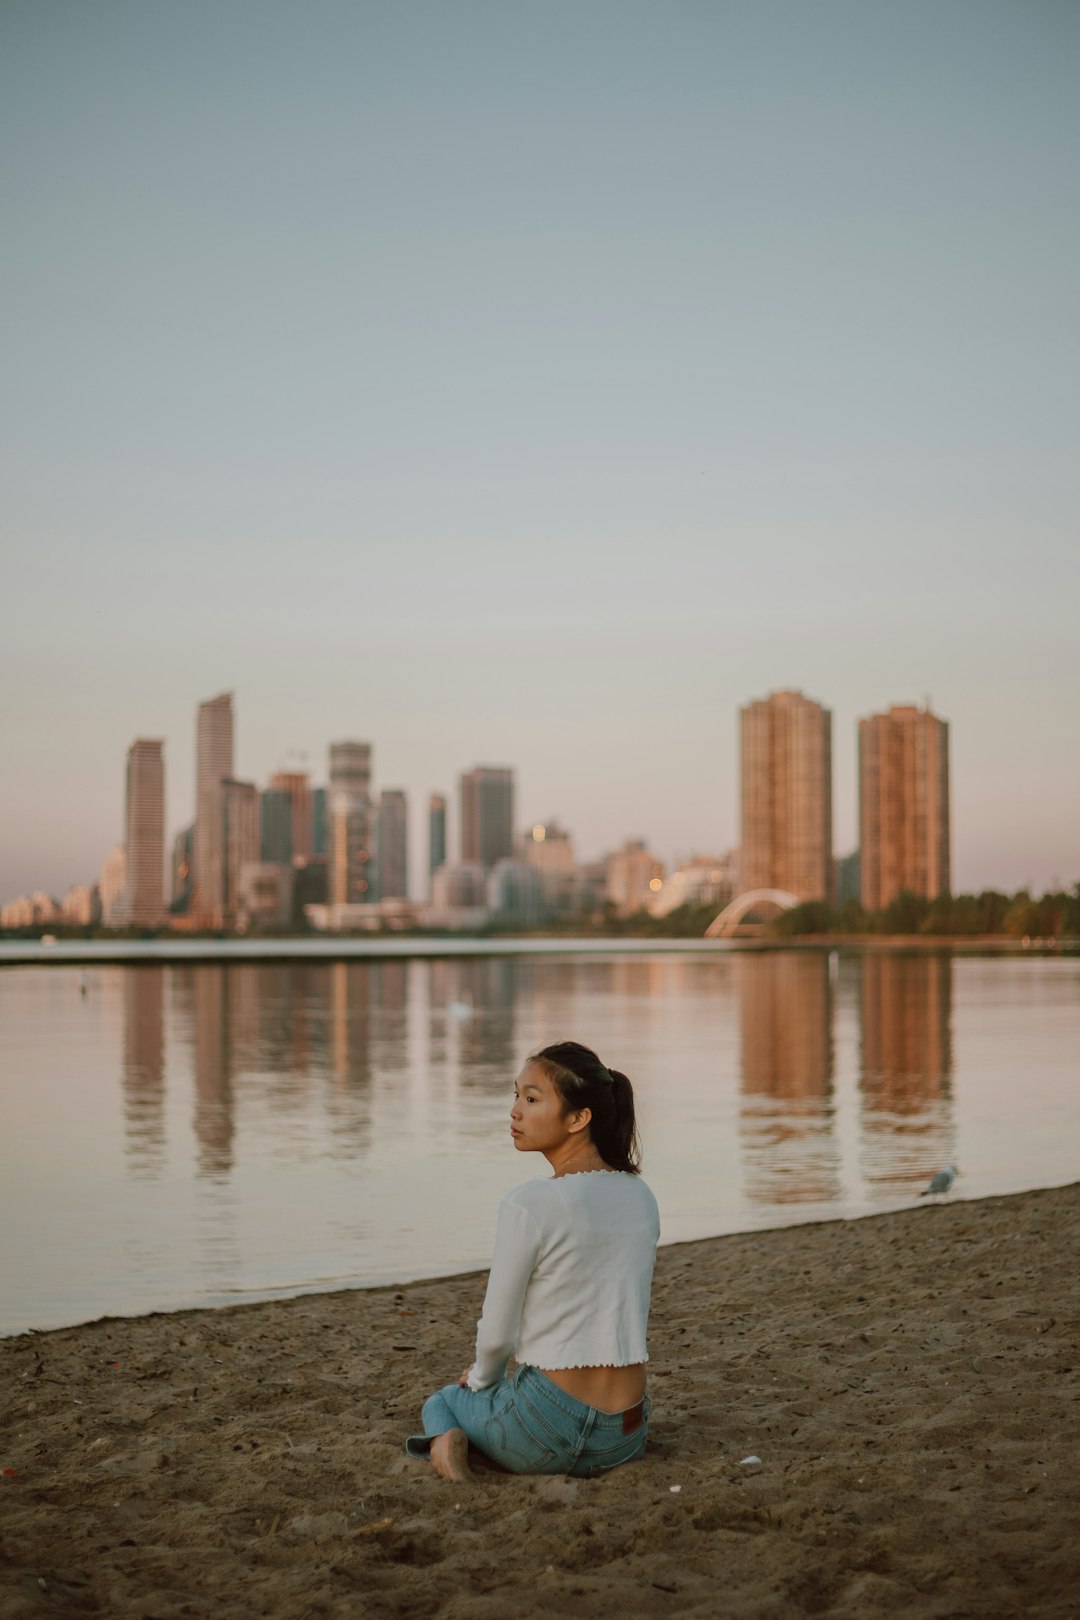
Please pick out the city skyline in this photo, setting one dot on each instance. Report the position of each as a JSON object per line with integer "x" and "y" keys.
{"x": 534, "y": 384}
{"x": 350, "y": 764}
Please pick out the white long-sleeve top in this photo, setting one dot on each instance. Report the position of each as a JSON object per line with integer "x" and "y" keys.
{"x": 570, "y": 1277}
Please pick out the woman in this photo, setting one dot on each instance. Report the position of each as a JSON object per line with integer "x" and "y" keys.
{"x": 568, "y": 1293}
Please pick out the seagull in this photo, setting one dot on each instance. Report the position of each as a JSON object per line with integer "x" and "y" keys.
{"x": 942, "y": 1181}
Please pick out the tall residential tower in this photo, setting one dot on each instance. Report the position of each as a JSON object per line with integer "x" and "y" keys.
{"x": 786, "y": 770}
{"x": 213, "y": 763}
{"x": 903, "y": 805}
{"x": 350, "y": 831}
{"x": 144, "y": 816}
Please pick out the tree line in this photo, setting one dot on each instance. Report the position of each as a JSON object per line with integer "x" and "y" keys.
{"x": 1055, "y": 915}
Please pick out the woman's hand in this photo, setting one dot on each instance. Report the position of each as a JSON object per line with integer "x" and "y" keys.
{"x": 463, "y": 1381}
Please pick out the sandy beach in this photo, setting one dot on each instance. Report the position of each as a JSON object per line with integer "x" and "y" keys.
{"x": 910, "y": 1383}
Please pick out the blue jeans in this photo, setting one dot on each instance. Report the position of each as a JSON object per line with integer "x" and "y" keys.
{"x": 529, "y": 1425}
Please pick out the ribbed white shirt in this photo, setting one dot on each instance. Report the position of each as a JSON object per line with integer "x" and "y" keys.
{"x": 570, "y": 1277}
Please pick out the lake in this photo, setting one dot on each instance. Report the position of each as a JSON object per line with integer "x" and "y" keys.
{"x": 180, "y": 1135}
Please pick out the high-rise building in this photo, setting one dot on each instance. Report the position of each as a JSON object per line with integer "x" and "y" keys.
{"x": 786, "y": 769}
{"x": 239, "y": 805}
{"x": 393, "y": 845}
{"x": 436, "y": 835}
{"x": 276, "y": 825}
{"x": 350, "y": 832}
{"x": 143, "y": 905}
{"x": 903, "y": 805}
{"x": 213, "y": 763}
{"x": 297, "y": 784}
{"x": 487, "y": 815}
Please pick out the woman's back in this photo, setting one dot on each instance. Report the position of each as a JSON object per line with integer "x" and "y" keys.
{"x": 587, "y": 1302}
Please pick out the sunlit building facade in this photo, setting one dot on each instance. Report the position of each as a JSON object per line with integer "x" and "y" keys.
{"x": 143, "y": 904}
{"x": 111, "y": 885}
{"x": 213, "y": 764}
{"x": 634, "y": 877}
{"x": 296, "y": 785}
{"x": 903, "y": 806}
{"x": 239, "y": 804}
{"x": 786, "y": 796}
{"x": 81, "y": 906}
{"x": 350, "y": 829}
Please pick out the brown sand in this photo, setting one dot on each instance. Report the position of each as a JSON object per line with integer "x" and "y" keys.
{"x": 910, "y": 1383}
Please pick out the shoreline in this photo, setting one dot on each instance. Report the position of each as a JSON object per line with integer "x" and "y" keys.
{"x": 291, "y": 1293}
{"x": 909, "y": 1380}
{"x": 100, "y": 952}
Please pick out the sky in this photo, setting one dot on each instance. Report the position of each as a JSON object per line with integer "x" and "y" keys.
{"x": 533, "y": 384}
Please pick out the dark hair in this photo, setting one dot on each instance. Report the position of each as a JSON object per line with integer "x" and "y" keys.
{"x": 582, "y": 1081}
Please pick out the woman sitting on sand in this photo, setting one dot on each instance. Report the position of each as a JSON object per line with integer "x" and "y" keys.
{"x": 568, "y": 1294}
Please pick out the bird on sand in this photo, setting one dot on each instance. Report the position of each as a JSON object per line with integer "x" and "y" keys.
{"x": 942, "y": 1181}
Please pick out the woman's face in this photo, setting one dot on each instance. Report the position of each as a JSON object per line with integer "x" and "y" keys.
{"x": 537, "y": 1121}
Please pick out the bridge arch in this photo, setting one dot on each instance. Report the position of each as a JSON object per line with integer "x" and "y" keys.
{"x": 773, "y": 900}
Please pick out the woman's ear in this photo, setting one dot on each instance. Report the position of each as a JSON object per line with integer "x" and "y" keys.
{"x": 578, "y": 1120}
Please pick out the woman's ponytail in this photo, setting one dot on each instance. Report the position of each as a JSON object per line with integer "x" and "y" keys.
{"x": 582, "y": 1081}
{"x": 625, "y": 1153}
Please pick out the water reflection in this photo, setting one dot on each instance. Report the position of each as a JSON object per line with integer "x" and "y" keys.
{"x": 786, "y": 1073}
{"x": 349, "y": 1058}
{"x": 211, "y": 1021}
{"x": 346, "y": 1120}
{"x": 143, "y": 1072}
{"x": 351, "y": 988}
{"x": 905, "y": 1086}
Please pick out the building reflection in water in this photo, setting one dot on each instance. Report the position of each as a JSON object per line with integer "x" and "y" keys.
{"x": 786, "y": 1112}
{"x": 481, "y": 1012}
{"x": 143, "y": 1073}
{"x": 351, "y": 990}
{"x": 203, "y": 997}
{"x": 905, "y": 1085}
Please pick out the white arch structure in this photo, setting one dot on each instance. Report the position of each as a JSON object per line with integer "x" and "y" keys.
{"x": 776, "y": 900}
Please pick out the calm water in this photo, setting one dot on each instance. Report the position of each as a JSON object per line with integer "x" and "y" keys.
{"x": 190, "y": 1135}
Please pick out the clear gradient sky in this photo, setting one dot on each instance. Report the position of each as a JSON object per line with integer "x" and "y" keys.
{"x": 533, "y": 383}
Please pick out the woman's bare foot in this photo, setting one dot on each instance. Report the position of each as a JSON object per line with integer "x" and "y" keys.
{"x": 450, "y": 1456}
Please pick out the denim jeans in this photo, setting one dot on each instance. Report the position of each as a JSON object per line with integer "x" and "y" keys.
{"x": 531, "y": 1426}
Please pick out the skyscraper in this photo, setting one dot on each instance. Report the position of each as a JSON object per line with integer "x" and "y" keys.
{"x": 350, "y": 833}
{"x": 786, "y": 791}
{"x": 903, "y": 805}
{"x": 143, "y": 904}
{"x": 239, "y": 834}
{"x": 393, "y": 844}
{"x": 213, "y": 763}
{"x": 297, "y": 784}
{"x": 487, "y": 814}
{"x": 436, "y": 835}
